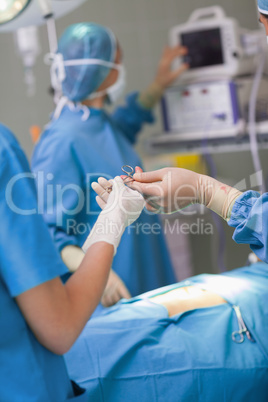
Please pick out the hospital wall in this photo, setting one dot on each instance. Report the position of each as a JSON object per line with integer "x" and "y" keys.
{"x": 141, "y": 27}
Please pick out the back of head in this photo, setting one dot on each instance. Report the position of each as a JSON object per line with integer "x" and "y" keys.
{"x": 86, "y": 41}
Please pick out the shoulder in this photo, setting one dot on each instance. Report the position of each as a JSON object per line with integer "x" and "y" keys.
{"x": 7, "y": 139}
{"x": 10, "y": 147}
{"x": 68, "y": 133}
{"x": 57, "y": 148}
{"x": 56, "y": 139}
{"x": 65, "y": 130}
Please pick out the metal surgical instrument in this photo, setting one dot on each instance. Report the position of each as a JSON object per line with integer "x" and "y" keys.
{"x": 129, "y": 171}
{"x": 238, "y": 336}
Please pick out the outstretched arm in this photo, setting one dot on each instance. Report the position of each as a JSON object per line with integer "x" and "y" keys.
{"x": 138, "y": 109}
{"x": 170, "y": 189}
{"x": 165, "y": 76}
{"x": 57, "y": 313}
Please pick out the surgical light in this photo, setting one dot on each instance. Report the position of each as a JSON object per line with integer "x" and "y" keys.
{"x": 10, "y": 9}
{"x": 15, "y": 14}
{"x": 22, "y": 17}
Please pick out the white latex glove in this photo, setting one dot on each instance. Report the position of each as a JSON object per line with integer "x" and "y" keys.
{"x": 115, "y": 290}
{"x": 165, "y": 76}
{"x": 122, "y": 206}
{"x": 171, "y": 189}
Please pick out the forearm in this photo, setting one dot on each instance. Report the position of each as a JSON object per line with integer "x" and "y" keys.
{"x": 85, "y": 288}
{"x": 171, "y": 189}
{"x": 217, "y": 196}
{"x": 165, "y": 76}
{"x": 57, "y": 313}
{"x": 151, "y": 96}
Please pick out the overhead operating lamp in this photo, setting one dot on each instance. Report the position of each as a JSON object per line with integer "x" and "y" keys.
{"x": 16, "y": 14}
{"x": 10, "y": 9}
{"x": 22, "y": 17}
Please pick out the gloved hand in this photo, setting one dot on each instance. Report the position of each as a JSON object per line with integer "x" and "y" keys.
{"x": 121, "y": 207}
{"x": 165, "y": 76}
{"x": 171, "y": 189}
{"x": 115, "y": 290}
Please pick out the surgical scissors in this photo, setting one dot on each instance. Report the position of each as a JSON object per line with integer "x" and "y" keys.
{"x": 129, "y": 171}
{"x": 238, "y": 336}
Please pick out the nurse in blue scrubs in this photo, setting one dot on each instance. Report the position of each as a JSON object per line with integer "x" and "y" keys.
{"x": 174, "y": 189}
{"x": 40, "y": 318}
{"x": 83, "y": 142}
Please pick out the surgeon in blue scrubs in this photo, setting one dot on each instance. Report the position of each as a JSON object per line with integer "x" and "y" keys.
{"x": 174, "y": 189}
{"x": 40, "y": 318}
{"x": 83, "y": 142}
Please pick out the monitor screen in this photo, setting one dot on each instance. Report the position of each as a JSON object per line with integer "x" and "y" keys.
{"x": 204, "y": 48}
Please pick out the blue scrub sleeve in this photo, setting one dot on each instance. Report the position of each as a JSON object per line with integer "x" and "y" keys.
{"x": 131, "y": 117}
{"x": 27, "y": 254}
{"x": 249, "y": 218}
{"x": 60, "y": 184}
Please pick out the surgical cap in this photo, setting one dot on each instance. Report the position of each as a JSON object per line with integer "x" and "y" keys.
{"x": 263, "y": 6}
{"x": 86, "y": 41}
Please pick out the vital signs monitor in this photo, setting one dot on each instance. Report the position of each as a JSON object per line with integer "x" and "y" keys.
{"x": 215, "y": 45}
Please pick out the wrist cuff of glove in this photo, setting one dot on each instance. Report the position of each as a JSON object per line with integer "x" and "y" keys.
{"x": 222, "y": 201}
{"x": 96, "y": 239}
{"x": 105, "y": 230}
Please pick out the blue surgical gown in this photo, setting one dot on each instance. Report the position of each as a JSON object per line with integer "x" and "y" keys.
{"x": 28, "y": 258}
{"x": 73, "y": 153}
{"x": 136, "y": 352}
{"x": 250, "y": 219}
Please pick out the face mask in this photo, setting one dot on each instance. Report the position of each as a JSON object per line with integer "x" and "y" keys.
{"x": 58, "y": 75}
{"x": 115, "y": 91}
